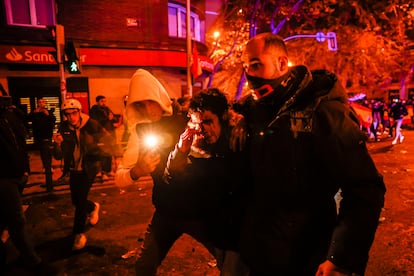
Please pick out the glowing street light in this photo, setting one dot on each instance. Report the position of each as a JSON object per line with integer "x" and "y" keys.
{"x": 216, "y": 34}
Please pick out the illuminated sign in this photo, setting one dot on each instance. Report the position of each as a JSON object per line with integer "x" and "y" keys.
{"x": 27, "y": 54}
{"x": 102, "y": 56}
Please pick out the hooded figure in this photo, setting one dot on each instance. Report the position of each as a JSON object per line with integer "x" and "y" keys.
{"x": 150, "y": 115}
{"x": 145, "y": 87}
{"x": 148, "y": 102}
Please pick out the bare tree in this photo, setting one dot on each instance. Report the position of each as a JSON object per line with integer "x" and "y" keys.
{"x": 373, "y": 38}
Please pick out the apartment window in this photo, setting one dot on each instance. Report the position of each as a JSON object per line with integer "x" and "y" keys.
{"x": 30, "y": 13}
{"x": 177, "y": 22}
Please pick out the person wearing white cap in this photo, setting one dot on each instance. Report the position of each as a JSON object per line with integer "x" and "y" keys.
{"x": 81, "y": 141}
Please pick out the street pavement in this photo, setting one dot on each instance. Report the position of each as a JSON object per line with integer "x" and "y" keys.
{"x": 36, "y": 182}
{"x": 113, "y": 243}
{"x": 125, "y": 213}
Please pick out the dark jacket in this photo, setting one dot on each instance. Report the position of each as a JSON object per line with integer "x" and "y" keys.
{"x": 101, "y": 114}
{"x": 14, "y": 160}
{"x": 169, "y": 129}
{"x": 42, "y": 125}
{"x": 209, "y": 183}
{"x": 95, "y": 142}
{"x": 398, "y": 111}
{"x": 305, "y": 145}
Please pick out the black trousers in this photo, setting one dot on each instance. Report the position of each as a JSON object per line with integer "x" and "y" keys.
{"x": 161, "y": 235}
{"x": 106, "y": 163}
{"x": 80, "y": 185}
{"x": 45, "y": 147}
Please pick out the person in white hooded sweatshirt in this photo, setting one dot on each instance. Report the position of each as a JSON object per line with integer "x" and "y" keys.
{"x": 149, "y": 112}
{"x": 148, "y": 102}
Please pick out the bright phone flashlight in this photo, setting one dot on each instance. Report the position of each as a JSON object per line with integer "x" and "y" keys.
{"x": 151, "y": 141}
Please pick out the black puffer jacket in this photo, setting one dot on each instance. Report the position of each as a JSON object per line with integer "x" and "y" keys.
{"x": 304, "y": 147}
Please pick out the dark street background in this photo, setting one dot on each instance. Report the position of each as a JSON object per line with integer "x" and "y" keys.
{"x": 115, "y": 240}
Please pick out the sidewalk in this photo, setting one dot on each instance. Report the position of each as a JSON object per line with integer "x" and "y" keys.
{"x": 36, "y": 182}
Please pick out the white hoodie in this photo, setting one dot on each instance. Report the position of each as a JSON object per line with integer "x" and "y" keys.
{"x": 143, "y": 86}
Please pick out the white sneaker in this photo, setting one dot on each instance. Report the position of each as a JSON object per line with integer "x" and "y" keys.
{"x": 94, "y": 215}
{"x": 401, "y": 139}
{"x": 394, "y": 141}
{"x": 80, "y": 242}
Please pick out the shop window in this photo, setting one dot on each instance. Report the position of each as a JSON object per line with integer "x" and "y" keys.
{"x": 30, "y": 13}
{"x": 177, "y": 22}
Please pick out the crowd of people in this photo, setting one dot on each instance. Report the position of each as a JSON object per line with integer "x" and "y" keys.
{"x": 387, "y": 119}
{"x": 254, "y": 181}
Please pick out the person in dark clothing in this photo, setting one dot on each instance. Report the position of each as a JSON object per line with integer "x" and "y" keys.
{"x": 305, "y": 145}
{"x": 377, "y": 115}
{"x": 206, "y": 181}
{"x": 149, "y": 111}
{"x": 397, "y": 112}
{"x": 43, "y": 123}
{"x": 104, "y": 115}
{"x": 14, "y": 171}
{"x": 81, "y": 141}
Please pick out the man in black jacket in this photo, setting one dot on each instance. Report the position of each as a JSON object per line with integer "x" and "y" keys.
{"x": 305, "y": 146}
{"x": 43, "y": 123}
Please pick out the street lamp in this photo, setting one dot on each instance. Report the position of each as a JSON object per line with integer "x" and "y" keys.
{"x": 320, "y": 37}
{"x": 216, "y": 36}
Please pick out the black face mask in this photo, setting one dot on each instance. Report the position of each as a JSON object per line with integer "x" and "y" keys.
{"x": 263, "y": 87}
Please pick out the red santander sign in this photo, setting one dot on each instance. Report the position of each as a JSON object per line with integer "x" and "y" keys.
{"x": 26, "y": 54}
{"x": 101, "y": 56}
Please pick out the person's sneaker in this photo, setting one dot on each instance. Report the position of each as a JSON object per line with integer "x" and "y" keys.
{"x": 394, "y": 141}
{"x": 94, "y": 215}
{"x": 80, "y": 242}
{"x": 401, "y": 139}
{"x": 105, "y": 177}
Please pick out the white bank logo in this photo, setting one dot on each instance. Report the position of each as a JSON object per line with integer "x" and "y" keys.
{"x": 14, "y": 55}
{"x": 35, "y": 55}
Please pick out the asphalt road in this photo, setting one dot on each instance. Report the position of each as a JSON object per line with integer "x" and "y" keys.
{"x": 113, "y": 243}
{"x": 115, "y": 240}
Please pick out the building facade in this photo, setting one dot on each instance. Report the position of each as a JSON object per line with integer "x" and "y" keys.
{"x": 111, "y": 40}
